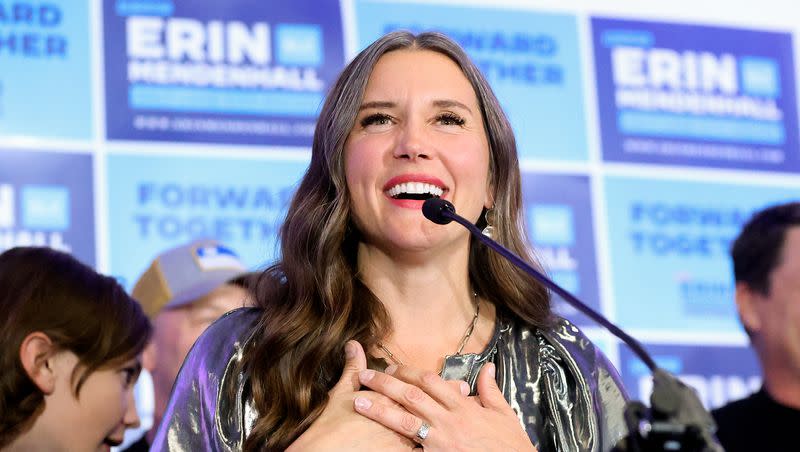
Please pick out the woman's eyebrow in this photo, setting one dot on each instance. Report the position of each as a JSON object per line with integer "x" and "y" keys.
{"x": 439, "y": 103}
{"x": 448, "y": 103}
{"x": 377, "y": 104}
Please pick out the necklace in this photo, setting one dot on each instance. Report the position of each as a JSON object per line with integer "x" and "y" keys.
{"x": 461, "y": 345}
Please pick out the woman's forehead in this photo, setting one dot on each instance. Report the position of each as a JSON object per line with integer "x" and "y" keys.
{"x": 401, "y": 72}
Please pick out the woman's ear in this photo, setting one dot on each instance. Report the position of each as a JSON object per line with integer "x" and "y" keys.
{"x": 36, "y": 353}
{"x": 489, "y": 200}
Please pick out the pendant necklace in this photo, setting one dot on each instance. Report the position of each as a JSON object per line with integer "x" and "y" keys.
{"x": 464, "y": 340}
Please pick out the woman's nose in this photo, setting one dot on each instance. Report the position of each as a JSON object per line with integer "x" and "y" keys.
{"x": 412, "y": 143}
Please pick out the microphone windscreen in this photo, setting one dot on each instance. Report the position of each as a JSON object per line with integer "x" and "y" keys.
{"x": 434, "y": 209}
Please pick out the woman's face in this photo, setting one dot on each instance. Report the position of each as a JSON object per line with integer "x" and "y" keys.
{"x": 104, "y": 408}
{"x": 419, "y": 133}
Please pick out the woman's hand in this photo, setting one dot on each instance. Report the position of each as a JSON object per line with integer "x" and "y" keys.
{"x": 455, "y": 422}
{"x": 339, "y": 427}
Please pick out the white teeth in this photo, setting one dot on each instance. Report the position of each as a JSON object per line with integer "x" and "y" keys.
{"x": 414, "y": 188}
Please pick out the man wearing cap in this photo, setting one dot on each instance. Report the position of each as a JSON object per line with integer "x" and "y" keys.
{"x": 183, "y": 291}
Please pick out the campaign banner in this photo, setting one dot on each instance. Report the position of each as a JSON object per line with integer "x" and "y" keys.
{"x": 669, "y": 243}
{"x": 45, "y": 83}
{"x": 558, "y": 214}
{"x": 239, "y": 71}
{"x": 41, "y": 204}
{"x": 530, "y": 58}
{"x": 153, "y": 206}
{"x": 719, "y": 374}
{"x": 696, "y": 95}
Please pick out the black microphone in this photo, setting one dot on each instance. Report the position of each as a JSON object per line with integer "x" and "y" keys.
{"x": 434, "y": 209}
{"x": 677, "y": 416}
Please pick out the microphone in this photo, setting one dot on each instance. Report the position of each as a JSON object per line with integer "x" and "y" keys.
{"x": 434, "y": 209}
{"x": 676, "y": 417}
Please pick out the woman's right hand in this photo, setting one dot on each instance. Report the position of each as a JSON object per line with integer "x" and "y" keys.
{"x": 340, "y": 427}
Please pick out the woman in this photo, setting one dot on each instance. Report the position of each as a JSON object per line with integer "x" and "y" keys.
{"x": 362, "y": 270}
{"x": 70, "y": 345}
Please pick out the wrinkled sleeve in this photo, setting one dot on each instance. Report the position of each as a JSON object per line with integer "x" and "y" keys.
{"x": 201, "y": 414}
{"x": 600, "y": 395}
{"x": 611, "y": 399}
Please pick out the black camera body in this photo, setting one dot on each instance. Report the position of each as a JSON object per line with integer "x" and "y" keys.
{"x": 676, "y": 420}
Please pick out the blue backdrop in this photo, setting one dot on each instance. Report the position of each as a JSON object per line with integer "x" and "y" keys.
{"x": 127, "y": 126}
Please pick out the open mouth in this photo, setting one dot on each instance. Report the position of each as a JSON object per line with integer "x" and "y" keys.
{"x": 419, "y": 191}
{"x": 112, "y": 442}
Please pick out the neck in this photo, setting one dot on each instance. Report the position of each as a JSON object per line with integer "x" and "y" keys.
{"x": 430, "y": 303}
{"x": 784, "y": 387}
{"x": 34, "y": 438}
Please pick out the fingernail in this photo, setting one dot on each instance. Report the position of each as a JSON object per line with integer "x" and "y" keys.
{"x": 391, "y": 369}
{"x": 366, "y": 375}
{"x": 350, "y": 350}
{"x": 492, "y": 370}
{"x": 363, "y": 403}
{"x": 464, "y": 386}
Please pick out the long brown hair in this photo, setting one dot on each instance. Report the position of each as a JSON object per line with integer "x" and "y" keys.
{"x": 312, "y": 299}
{"x": 78, "y": 309}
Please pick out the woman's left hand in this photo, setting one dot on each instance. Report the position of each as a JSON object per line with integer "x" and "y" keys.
{"x": 456, "y": 422}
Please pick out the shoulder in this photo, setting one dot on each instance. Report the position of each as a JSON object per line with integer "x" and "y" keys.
{"x": 594, "y": 376}
{"x": 199, "y": 394}
{"x": 232, "y": 328}
{"x": 730, "y": 417}
{"x": 572, "y": 343}
{"x": 225, "y": 337}
{"x": 735, "y": 422}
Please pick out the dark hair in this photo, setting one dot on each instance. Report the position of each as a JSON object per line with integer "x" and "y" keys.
{"x": 78, "y": 309}
{"x": 757, "y": 250}
{"x": 313, "y": 301}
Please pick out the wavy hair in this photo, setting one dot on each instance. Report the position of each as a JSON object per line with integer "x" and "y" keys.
{"x": 78, "y": 309}
{"x": 312, "y": 299}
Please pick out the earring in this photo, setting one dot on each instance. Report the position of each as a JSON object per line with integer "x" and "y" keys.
{"x": 488, "y": 231}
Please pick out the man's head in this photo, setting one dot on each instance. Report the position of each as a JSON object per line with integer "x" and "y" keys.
{"x": 766, "y": 261}
{"x": 184, "y": 290}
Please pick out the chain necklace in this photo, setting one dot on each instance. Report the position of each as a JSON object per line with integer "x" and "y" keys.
{"x": 464, "y": 340}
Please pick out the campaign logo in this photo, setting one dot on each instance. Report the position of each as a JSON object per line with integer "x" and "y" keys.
{"x": 530, "y": 58}
{"x": 217, "y": 257}
{"x": 669, "y": 243}
{"x": 719, "y": 374}
{"x": 43, "y": 205}
{"x": 553, "y": 229}
{"x": 38, "y": 40}
{"x": 239, "y": 202}
{"x": 230, "y": 73}
{"x": 558, "y": 213}
{"x": 695, "y": 95}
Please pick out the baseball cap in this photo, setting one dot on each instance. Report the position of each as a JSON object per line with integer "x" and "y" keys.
{"x": 185, "y": 273}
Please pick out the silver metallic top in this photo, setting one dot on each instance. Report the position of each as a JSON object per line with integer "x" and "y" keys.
{"x": 566, "y": 394}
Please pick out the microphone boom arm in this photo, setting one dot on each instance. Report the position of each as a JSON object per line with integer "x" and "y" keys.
{"x": 635, "y": 346}
{"x": 676, "y": 421}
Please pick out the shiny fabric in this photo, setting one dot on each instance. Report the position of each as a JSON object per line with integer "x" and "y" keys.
{"x": 568, "y": 397}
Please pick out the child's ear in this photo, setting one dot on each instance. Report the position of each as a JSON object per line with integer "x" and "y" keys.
{"x": 36, "y": 353}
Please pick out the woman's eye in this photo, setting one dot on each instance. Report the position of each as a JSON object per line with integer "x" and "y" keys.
{"x": 450, "y": 119}
{"x": 129, "y": 375}
{"x": 377, "y": 119}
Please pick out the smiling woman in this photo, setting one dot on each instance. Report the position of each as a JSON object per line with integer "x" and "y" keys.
{"x": 379, "y": 330}
{"x": 70, "y": 350}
